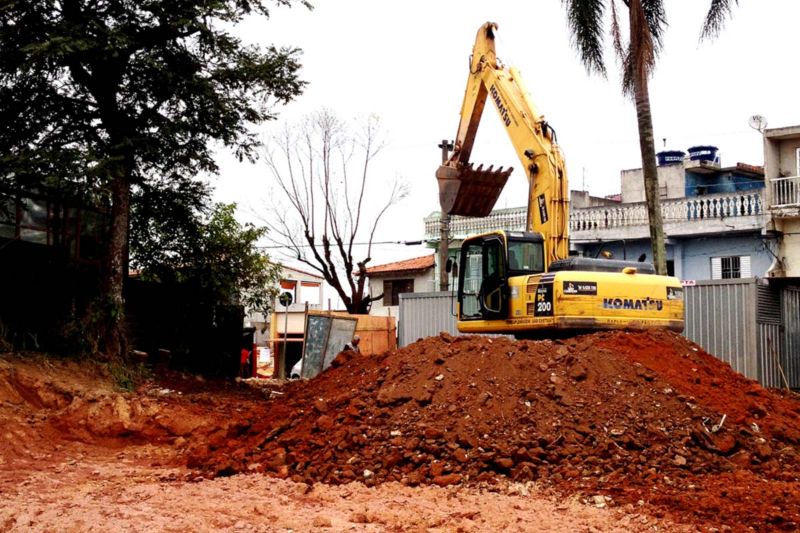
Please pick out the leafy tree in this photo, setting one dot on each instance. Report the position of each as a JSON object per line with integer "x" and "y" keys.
{"x": 120, "y": 95}
{"x": 214, "y": 253}
{"x": 321, "y": 168}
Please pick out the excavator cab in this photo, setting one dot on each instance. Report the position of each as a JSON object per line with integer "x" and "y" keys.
{"x": 488, "y": 263}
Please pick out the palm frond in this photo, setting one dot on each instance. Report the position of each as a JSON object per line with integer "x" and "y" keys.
{"x": 585, "y": 20}
{"x": 641, "y": 54}
{"x": 718, "y": 11}
{"x": 656, "y": 20}
{"x": 616, "y": 34}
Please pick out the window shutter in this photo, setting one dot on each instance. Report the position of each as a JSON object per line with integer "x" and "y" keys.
{"x": 387, "y": 293}
{"x": 744, "y": 266}
{"x": 716, "y": 268}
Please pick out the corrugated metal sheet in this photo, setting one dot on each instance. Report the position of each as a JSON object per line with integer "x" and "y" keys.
{"x": 721, "y": 317}
{"x": 423, "y": 314}
{"x": 770, "y": 339}
{"x": 791, "y": 346}
{"x": 769, "y": 305}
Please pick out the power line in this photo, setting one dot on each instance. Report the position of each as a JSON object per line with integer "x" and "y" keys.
{"x": 406, "y": 243}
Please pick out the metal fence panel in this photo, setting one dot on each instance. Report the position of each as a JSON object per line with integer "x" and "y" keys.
{"x": 720, "y": 317}
{"x": 423, "y": 314}
{"x": 791, "y": 346}
{"x": 770, "y": 339}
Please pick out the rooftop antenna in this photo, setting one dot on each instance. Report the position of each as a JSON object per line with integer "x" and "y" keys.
{"x": 758, "y": 123}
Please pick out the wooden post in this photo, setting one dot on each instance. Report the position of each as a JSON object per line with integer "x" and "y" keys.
{"x": 444, "y": 228}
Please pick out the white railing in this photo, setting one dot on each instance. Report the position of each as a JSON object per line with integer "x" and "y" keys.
{"x": 691, "y": 209}
{"x": 514, "y": 219}
{"x": 695, "y": 208}
{"x": 785, "y": 191}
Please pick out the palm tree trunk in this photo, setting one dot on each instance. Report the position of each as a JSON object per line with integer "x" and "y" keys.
{"x": 650, "y": 171}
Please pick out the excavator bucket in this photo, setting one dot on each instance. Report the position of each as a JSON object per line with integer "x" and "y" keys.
{"x": 470, "y": 192}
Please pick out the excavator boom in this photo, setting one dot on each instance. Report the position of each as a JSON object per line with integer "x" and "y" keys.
{"x": 469, "y": 191}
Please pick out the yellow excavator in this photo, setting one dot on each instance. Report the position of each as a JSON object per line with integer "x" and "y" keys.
{"x": 525, "y": 283}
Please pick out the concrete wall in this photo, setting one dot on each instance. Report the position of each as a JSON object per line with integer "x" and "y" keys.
{"x": 789, "y": 251}
{"x": 697, "y": 253}
{"x": 788, "y": 158}
{"x": 780, "y": 160}
{"x": 692, "y": 257}
{"x": 671, "y": 178}
{"x": 579, "y": 199}
{"x": 700, "y": 184}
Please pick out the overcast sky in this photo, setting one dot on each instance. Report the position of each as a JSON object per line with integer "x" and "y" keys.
{"x": 407, "y": 63}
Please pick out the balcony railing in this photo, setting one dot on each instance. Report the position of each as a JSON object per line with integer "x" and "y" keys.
{"x": 692, "y": 209}
{"x": 514, "y": 219}
{"x": 695, "y": 208}
{"x": 785, "y": 191}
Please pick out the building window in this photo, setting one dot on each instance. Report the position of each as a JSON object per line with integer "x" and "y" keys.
{"x": 309, "y": 292}
{"x": 393, "y": 288}
{"x": 731, "y": 267}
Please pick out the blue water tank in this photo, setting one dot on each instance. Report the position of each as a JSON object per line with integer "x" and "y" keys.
{"x": 669, "y": 157}
{"x": 703, "y": 153}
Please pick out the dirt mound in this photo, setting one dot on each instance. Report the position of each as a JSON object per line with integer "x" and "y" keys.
{"x": 635, "y": 416}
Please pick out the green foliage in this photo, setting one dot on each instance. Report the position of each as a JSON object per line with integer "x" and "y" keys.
{"x": 214, "y": 253}
{"x": 229, "y": 265}
{"x": 117, "y": 96}
{"x": 82, "y": 334}
{"x": 83, "y": 83}
{"x": 127, "y": 375}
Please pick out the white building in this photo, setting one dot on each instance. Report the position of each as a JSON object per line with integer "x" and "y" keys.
{"x": 393, "y": 279}
{"x": 782, "y": 166}
{"x": 304, "y": 288}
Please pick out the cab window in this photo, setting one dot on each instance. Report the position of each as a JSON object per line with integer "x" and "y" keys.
{"x": 525, "y": 256}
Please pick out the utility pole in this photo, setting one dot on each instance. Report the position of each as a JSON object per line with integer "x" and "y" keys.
{"x": 444, "y": 228}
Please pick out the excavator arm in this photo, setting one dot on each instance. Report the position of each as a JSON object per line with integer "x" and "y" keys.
{"x": 468, "y": 191}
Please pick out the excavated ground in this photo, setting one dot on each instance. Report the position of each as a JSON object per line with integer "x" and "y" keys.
{"x": 635, "y": 417}
{"x": 645, "y": 428}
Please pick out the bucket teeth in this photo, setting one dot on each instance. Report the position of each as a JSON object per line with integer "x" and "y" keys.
{"x": 468, "y": 191}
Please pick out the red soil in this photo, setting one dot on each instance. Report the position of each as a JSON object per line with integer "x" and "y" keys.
{"x": 628, "y": 415}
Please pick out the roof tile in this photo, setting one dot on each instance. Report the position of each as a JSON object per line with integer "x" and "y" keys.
{"x": 416, "y": 263}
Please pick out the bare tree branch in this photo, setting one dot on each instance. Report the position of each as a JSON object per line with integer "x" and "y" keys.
{"x": 311, "y": 167}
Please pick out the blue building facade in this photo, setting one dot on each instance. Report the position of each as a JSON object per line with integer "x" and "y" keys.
{"x": 714, "y": 219}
